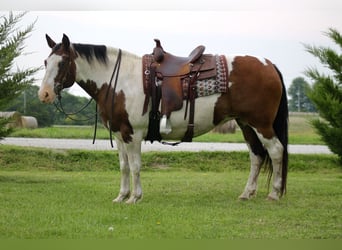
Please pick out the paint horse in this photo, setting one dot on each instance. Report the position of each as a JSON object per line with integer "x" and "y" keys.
{"x": 255, "y": 98}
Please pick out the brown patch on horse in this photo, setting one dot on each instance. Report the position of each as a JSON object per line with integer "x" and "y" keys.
{"x": 67, "y": 67}
{"x": 254, "y": 95}
{"x": 91, "y": 88}
{"x": 117, "y": 111}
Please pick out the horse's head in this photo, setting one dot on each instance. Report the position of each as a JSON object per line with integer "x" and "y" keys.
{"x": 60, "y": 70}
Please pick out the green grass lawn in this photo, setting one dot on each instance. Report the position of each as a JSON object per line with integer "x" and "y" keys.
{"x": 184, "y": 205}
{"x": 59, "y": 194}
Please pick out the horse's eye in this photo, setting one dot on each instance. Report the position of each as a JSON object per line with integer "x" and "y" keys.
{"x": 61, "y": 64}
{"x": 45, "y": 63}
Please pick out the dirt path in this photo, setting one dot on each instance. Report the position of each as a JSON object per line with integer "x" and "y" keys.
{"x": 86, "y": 144}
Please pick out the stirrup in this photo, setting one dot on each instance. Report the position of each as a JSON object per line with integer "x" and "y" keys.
{"x": 165, "y": 125}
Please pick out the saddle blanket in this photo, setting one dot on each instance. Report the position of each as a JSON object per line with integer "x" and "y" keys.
{"x": 210, "y": 86}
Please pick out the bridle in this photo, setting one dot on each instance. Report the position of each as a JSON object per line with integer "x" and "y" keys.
{"x": 64, "y": 81}
{"x": 60, "y": 86}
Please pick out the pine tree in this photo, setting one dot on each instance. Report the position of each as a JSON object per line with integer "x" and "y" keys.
{"x": 12, "y": 82}
{"x": 326, "y": 92}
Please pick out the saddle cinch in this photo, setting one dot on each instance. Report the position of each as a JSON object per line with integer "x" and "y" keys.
{"x": 175, "y": 79}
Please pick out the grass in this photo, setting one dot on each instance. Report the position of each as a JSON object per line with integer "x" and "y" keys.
{"x": 53, "y": 194}
{"x": 66, "y": 194}
{"x": 300, "y": 132}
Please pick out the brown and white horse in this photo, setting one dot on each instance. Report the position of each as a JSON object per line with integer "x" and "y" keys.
{"x": 256, "y": 99}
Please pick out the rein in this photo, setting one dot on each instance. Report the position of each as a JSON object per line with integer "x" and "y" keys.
{"x": 116, "y": 74}
{"x": 61, "y": 109}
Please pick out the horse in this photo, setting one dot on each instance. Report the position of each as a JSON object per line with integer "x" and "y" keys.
{"x": 255, "y": 98}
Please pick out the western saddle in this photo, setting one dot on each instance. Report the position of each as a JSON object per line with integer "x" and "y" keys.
{"x": 171, "y": 79}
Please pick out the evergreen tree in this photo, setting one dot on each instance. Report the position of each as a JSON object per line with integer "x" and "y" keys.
{"x": 12, "y": 82}
{"x": 326, "y": 92}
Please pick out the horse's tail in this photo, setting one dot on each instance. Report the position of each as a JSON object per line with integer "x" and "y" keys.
{"x": 280, "y": 126}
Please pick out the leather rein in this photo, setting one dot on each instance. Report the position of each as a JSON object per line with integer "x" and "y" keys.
{"x": 58, "y": 89}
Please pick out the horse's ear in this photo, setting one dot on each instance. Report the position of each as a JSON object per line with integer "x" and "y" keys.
{"x": 50, "y": 42}
{"x": 66, "y": 41}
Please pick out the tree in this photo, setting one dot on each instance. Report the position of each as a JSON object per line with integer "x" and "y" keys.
{"x": 299, "y": 100}
{"x": 12, "y": 82}
{"x": 326, "y": 92}
{"x": 29, "y": 104}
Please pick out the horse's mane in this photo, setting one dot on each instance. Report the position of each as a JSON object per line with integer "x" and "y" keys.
{"x": 92, "y": 51}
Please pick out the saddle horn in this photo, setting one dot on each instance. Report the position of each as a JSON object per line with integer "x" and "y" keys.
{"x": 158, "y": 52}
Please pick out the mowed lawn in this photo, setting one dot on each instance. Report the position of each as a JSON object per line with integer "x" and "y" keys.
{"x": 53, "y": 194}
{"x": 67, "y": 194}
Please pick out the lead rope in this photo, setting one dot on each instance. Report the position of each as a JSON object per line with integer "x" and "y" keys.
{"x": 116, "y": 74}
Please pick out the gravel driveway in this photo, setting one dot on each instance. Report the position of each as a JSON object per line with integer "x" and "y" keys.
{"x": 86, "y": 144}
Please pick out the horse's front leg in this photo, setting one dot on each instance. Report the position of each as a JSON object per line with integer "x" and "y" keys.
{"x": 134, "y": 161}
{"x": 124, "y": 170}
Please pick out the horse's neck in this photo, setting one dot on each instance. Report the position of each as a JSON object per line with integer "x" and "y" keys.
{"x": 94, "y": 70}
{"x": 96, "y": 73}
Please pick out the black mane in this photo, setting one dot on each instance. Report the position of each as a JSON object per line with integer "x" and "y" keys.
{"x": 89, "y": 51}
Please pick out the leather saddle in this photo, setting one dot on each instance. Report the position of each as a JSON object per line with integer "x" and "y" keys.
{"x": 172, "y": 70}
{"x": 170, "y": 65}
{"x": 169, "y": 80}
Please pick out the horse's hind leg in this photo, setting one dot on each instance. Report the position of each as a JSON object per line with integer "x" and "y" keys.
{"x": 275, "y": 150}
{"x": 257, "y": 155}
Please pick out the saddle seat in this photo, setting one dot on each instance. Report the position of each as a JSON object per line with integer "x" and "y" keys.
{"x": 170, "y": 65}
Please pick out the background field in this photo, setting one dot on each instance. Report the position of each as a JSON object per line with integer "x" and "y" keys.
{"x": 300, "y": 132}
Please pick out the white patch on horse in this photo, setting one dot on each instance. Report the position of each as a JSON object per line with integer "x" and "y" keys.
{"x": 262, "y": 60}
{"x": 48, "y": 83}
{"x": 230, "y": 60}
{"x": 275, "y": 150}
{"x": 252, "y": 183}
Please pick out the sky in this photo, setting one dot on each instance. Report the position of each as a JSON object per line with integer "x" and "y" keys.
{"x": 274, "y": 29}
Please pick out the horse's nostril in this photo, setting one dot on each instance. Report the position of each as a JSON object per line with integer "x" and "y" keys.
{"x": 46, "y": 94}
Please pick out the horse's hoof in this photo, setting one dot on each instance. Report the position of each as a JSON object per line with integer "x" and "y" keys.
{"x": 133, "y": 199}
{"x": 272, "y": 197}
{"x": 245, "y": 196}
{"x": 120, "y": 198}
{"x": 117, "y": 200}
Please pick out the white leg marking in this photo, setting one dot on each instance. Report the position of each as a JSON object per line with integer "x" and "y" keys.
{"x": 124, "y": 169}
{"x": 251, "y": 186}
{"x": 275, "y": 150}
{"x": 134, "y": 161}
{"x": 130, "y": 163}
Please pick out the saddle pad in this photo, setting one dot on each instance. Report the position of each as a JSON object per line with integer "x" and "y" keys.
{"x": 214, "y": 85}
